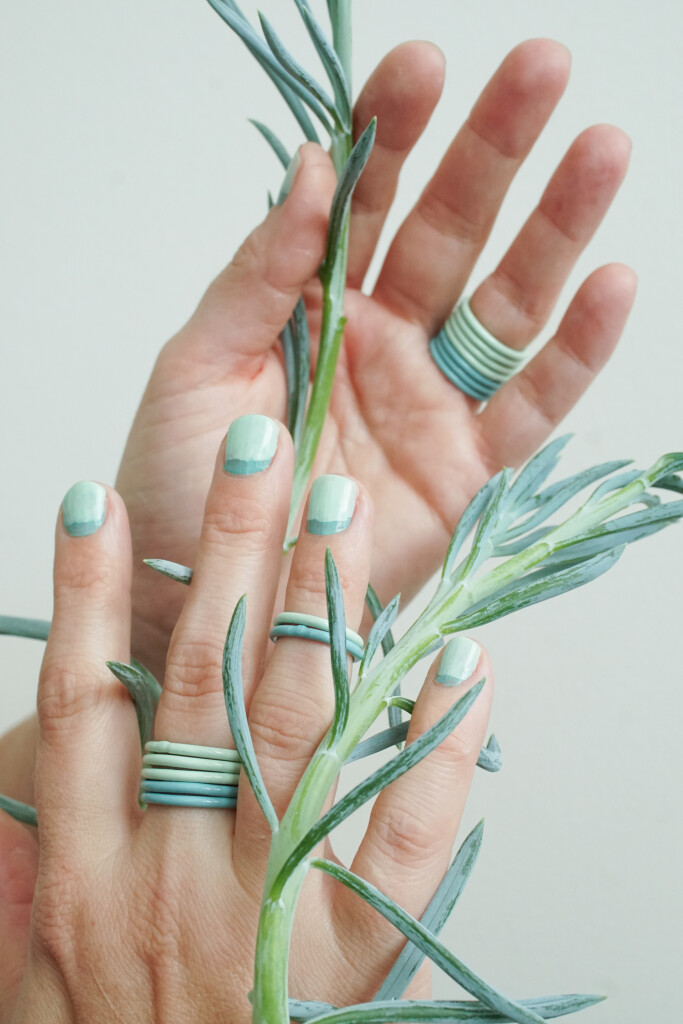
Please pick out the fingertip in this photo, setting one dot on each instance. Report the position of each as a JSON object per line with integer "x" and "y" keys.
{"x": 541, "y": 62}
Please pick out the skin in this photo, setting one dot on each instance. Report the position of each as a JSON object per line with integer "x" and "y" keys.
{"x": 420, "y": 459}
{"x": 150, "y": 916}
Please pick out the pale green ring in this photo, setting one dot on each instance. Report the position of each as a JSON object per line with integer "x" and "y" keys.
{"x": 301, "y": 619}
{"x": 170, "y": 774}
{"x": 191, "y": 749}
{"x": 194, "y": 763}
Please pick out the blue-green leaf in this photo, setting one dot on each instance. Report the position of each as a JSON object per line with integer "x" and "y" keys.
{"x": 617, "y": 532}
{"x": 291, "y": 90}
{"x": 144, "y": 690}
{"x": 403, "y": 703}
{"x": 391, "y": 1012}
{"x": 340, "y": 675}
{"x": 302, "y": 363}
{"x": 483, "y": 544}
{"x": 381, "y": 634}
{"x": 671, "y": 483}
{"x": 435, "y": 916}
{"x": 32, "y": 629}
{"x": 618, "y": 481}
{"x": 20, "y": 812}
{"x": 340, "y": 18}
{"x": 341, "y": 202}
{"x": 490, "y": 757}
{"x": 429, "y": 945}
{"x": 173, "y": 570}
{"x": 536, "y": 471}
{"x": 237, "y": 715}
{"x": 330, "y": 62}
{"x": 467, "y": 523}
{"x": 379, "y": 779}
{"x": 273, "y": 141}
{"x": 287, "y": 342}
{"x": 313, "y": 93}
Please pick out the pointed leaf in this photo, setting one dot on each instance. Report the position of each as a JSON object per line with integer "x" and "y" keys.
{"x": 312, "y": 92}
{"x": 490, "y": 757}
{"x": 671, "y": 483}
{"x": 392, "y": 1012}
{"x": 287, "y": 342}
{"x": 435, "y": 916}
{"x": 466, "y": 524}
{"x": 340, "y": 675}
{"x": 273, "y": 141}
{"x": 302, "y": 363}
{"x": 330, "y": 62}
{"x": 340, "y": 19}
{"x": 20, "y": 812}
{"x": 618, "y": 481}
{"x": 174, "y": 571}
{"x": 341, "y": 202}
{"x": 379, "y": 779}
{"x": 482, "y": 545}
{"x": 32, "y": 629}
{"x": 381, "y": 634}
{"x": 429, "y": 944}
{"x": 620, "y": 531}
{"x": 237, "y": 715}
{"x": 404, "y": 703}
{"x": 536, "y": 471}
{"x": 144, "y": 690}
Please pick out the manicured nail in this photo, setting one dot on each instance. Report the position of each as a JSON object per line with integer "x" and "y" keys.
{"x": 458, "y": 661}
{"x": 331, "y": 504}
{"x": 84, "y": 508}
{"x": 290, "y": 177}
{"x": 250, "y": 444}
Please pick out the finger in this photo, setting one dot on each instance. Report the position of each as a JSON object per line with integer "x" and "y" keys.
{"x": 516, "y": 300}
{"x": 18, "y": 870}
{"x": 240, "y": 552}
{"x": 293, "y": 707}
{"x": 528, "y": 408}
{"x": 18, "y": 759}
{"x": 402, "y": 93}
{"x": 408, "y": 842}
{"x": 436, "y": 247}
{"x": 248, "y": 304}
{"x": 88, "y": 744}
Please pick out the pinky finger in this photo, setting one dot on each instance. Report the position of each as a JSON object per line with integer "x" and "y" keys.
{"x": 527, "y": 409}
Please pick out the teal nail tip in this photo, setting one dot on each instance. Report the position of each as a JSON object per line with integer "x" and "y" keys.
{"x": 250, "y": 445}
{"x": 458, "y": 661}
{"x": 331, "y": 504}
{"x": 84, "y": 508}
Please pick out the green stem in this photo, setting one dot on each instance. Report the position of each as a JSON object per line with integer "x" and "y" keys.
{"x": 333, "y": 276}
{"x": 271, "y": 996}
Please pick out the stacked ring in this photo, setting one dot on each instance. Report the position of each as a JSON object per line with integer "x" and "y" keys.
{"x": 313, "y": 627}
{"x": 188, "y": 775}
{"x": 471, "y": 357}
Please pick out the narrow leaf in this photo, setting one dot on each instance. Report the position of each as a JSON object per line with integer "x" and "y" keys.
{"x": 287, "y": 341}
{"x": 618, "y": 481}
{"x": 273, "y": 141}
{"x": 237, "y": 715}
{"x": 466, "y": 525}
{"x": 534, "y": 588}
{"x": 379, "y": 779}
{"x": 429, "y": 944}
{"x": 381, "y": 634}
{"x": 404, "y": 703}
{"x": 312, "y": 93}
{"x": 292, "y": 92}
{"x": 144, "y": 690}
{"x": 621, "y": 531}
{"x": 435, "y": 916}
{"x": 20, "y": 812}
{"x": 537, "y": 470}
{"x": 32, "y": 629}
{"x": 341, "y": 202}
{"x": 174, "y": 571}
{"x": 671, "y": 483}
{"x": 302, "y": 362}
{"x": 392, "y": 1012}
{"x": 482, "y": 544}
{"x": 340, "y": 18}
{"x": 490, "y": 757}
{"x": 340, "y": 676}
{"x": 330, "y": 62}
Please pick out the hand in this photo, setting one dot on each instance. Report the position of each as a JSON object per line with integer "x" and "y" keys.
{"x": 415, "y": 441}
{"x": 151, "y": 915}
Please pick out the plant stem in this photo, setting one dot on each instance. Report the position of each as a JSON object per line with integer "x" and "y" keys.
{"x": 271, "y": 997}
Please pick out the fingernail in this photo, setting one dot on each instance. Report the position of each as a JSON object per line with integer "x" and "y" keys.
{"x": 458, "y": 661}
{"x": 250, "y": 444}
{"x": 331, "y": 504}
{"x": 290, "y": 177}
{"x": 84, "y": 508}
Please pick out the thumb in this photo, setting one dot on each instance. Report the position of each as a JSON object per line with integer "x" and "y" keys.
{"x": 248, "y": 304}
{"x": 18, "y": 870}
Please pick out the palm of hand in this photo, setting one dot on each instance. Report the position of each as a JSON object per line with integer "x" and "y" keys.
{"x": 414, "y": 440}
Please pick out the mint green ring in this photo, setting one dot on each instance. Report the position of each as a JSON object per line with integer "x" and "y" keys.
{"x": 511, "y": 356}
{"x": 178, "y": 775}
{"x": 301, "y": 619}
{"x": 183, "y": 800}
{"x": 193, "y": 763}
{"x": 321, "y": 636}
{"x": 191, "y": 750}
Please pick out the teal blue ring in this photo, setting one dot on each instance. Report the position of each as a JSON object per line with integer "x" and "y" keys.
{"x": 319, "y": 635}
{"x": 193, "y": 788}
{"x": 181, "y": 800}
{"x": 462, "y": 378}
{"x": 460, "y": 364}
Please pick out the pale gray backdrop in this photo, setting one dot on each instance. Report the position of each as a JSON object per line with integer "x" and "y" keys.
{"x": 129, "y": 176}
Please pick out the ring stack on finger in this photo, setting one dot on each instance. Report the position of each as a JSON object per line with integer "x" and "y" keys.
{"x": 471, "y": 357}
{"x": 187, "y": 775}
{"x": 312, "y": 627}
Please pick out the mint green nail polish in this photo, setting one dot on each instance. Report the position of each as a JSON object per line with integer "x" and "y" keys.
{"x": 331, "y": 504}
{"x": 458, "y": 661}
{"x": 250, "y": 444}
{"x": 84, "y": 508}
{"x": 290, "y": 177}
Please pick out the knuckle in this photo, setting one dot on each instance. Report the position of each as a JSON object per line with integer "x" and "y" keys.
{"x": 65, "y": 693}
{"x": 290, "y": 731}
{"x": 402, "y": 836}
{"x": 194, "y": 669}
{"x": 248, "y": 519}
{"x": 79, "y": 575}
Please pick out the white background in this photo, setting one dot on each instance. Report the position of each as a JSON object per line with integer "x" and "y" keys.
{"x": 129, "y": 176}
